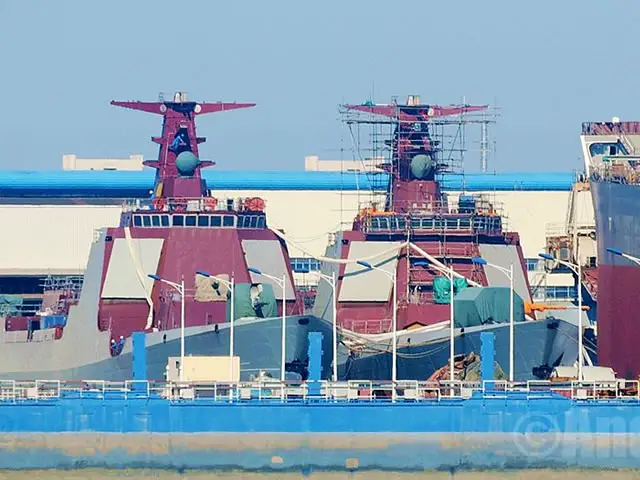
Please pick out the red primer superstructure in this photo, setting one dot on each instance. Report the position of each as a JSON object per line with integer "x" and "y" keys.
{"x": 417, "y": 210}
{"x": 181, "y": 192}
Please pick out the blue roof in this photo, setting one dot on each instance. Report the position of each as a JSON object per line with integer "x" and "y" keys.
{"x": 99, "y": 183}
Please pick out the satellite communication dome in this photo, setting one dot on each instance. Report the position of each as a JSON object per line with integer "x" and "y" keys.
{"x": 422, "y": 167}
{"x": 186, "y": 163}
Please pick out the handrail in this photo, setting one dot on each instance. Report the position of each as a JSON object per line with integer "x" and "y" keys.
{"x": 16, "y": 391}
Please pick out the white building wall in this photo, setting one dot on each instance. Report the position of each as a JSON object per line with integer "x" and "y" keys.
{"x": 72, "y": 162}
{"x": 314, "y": 164}
{"x": 307, "y": 217}
{"x": 50, "y": 239}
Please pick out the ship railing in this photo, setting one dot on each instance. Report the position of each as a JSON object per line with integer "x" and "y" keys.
{"x": 38, "y": 390}
{"x": 613, "y": 389}
{"x": 194, "y": 204}
{"x": 467, "y": 205}
{"x": 618, "y": 171}
{"x": 274, "y": 391}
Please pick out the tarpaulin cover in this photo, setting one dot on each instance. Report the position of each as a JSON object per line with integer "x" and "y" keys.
{"x": 475, "y": 306}
{"x": 442, "y": 288}
{"x": 10, "y": 304}
{"x": 249, "y": 303}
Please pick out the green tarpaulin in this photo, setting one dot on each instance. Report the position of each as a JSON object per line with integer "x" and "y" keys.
{"x": 263, "y": 304}
{"x": 477, "y": 306}
{"x": 442, "y": 288}
{"x": 10, "y": 305}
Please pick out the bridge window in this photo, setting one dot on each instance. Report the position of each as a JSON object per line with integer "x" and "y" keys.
{"x": 137, "y": 221}
{"x": 254, "y": 221}
{"x": 262, "y": 221}
{"x": 228, "y": 221}
{"x": 146, "y": 220}
{"x": 164, "y": 220}
{"x": 402, "y": 223}
{"x": 451, "y": 223}
{"x": 155, "y": 220}
{"x": 190, "y": 220}
{"x": 216, "y": 221}
{"x": 178, "y": 220}
{"x": 203, "y": 220}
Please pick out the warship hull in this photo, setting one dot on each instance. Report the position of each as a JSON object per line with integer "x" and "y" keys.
{"x": 550, "y": 342}
{"x": 616, "y": 207}
{"x": 83, "y": 351}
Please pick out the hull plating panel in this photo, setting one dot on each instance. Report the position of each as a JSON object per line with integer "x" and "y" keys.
{"x": 617, "y": 208}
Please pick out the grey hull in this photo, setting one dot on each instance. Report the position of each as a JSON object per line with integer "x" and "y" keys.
{"x": 257, "y": 343}
{"x": 547, "y": 342}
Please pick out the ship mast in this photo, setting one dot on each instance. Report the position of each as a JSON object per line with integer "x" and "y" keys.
{"x": 417, "y": 152}
{"x": 178, "y": 165}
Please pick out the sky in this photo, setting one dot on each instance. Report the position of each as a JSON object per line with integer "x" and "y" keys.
{"x": 547, "y": 65}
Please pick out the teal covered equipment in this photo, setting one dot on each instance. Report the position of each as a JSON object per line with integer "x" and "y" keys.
{"x": 442, "y": 288}
{"x": 261, "y": 305}
{"x": 475, "y": 306}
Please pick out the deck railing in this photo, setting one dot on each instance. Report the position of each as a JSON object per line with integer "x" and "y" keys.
{"x": 15, "y": 391}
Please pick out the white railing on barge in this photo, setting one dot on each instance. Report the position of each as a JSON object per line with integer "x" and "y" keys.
{"x": 14, "y": 391}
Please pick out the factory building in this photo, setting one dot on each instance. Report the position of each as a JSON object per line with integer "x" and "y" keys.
{"x": 54, "y": 215}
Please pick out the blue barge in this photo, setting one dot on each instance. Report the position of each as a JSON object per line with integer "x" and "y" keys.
{"x": 319, "y": 425}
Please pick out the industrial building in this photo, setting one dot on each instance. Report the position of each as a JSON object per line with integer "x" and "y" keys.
{"x": 54, "y": 214}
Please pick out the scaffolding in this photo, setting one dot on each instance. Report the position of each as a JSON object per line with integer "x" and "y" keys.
{"x": 371, "y": 137}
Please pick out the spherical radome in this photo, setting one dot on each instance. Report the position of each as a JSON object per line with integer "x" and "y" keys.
{"x": 186, "y": 163}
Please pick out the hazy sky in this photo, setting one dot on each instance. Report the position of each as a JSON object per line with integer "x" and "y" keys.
{"x": 549, "y": 65}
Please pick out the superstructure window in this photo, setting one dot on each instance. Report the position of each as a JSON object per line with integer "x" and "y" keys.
{"x": 261, "y": 222}
{"x": 451, "y": 223}
{"x": 164, "y": 220}
{"x": 155, "y": 220}
{"x": 190, "y": 221}
{"x": 137, "y": 221}
{"x": 216, "y": 221}
{"x": 254, "y": 221}
{"x": 228, "y": 221}
{"x": 203, "y": 220}
{"x": 178, "y": 220}
{"x": 146, "y": 220}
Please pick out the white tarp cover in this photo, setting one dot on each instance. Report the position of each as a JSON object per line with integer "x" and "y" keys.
{"x": 122, "y": 280}
{"x": 361, "y": 284}
{"x": 268, "y": 257}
